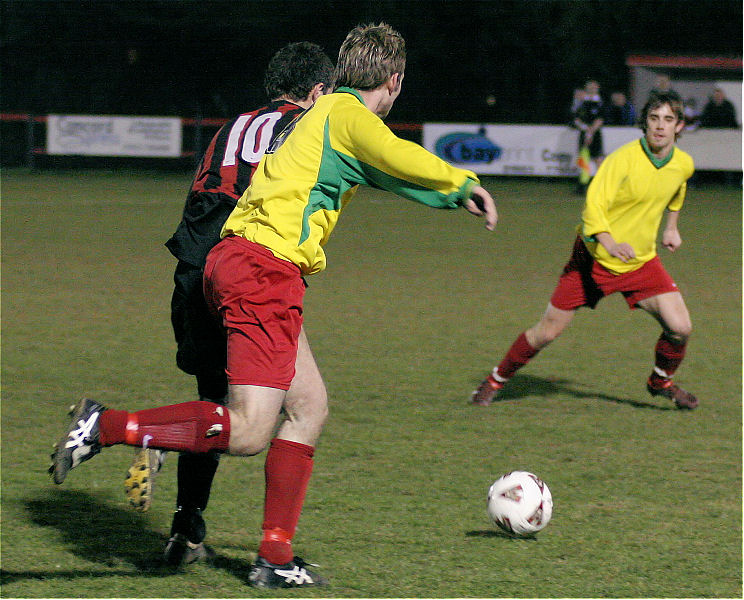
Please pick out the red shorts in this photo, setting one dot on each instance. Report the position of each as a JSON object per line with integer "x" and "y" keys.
{"x": 585, "y": 282}
{"x": 259, "y": 299}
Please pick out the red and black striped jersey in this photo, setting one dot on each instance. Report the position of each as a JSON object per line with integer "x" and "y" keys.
{"x": 236, "y": 149}
{"x": 223, "y": 175}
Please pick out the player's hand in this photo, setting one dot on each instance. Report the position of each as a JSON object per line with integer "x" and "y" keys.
{"x": 481, "y": 204}
{"x": 622, "y": 251}
{"x": 671, "y": 240}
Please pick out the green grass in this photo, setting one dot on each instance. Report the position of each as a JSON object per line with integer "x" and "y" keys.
{"x": 415, "y": 308}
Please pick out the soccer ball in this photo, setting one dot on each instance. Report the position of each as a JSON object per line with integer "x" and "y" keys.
{"x": 520, "y": 503}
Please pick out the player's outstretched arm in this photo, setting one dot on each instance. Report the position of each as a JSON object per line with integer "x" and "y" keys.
{"x": 481, "y": 204}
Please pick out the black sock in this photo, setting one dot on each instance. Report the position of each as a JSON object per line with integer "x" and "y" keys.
{"x": 189, "y": 522}
{"x": 195, "y": 475}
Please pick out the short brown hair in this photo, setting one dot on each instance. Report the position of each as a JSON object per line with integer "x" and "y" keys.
{"x": 369, "y": 55}
{"x": 296, "y": 69}
{"x": 657, "y": 99}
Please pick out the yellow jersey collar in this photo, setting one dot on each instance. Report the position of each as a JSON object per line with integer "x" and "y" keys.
{"x": 352, "y": 91}
{"x": 657, "y": 162}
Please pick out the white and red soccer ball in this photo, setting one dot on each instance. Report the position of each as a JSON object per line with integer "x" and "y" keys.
{"x": 520, "y": 503}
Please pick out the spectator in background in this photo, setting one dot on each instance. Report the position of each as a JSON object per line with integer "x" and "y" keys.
{"x": 620, "y": 111}
{"x": 719, "y": 111}
{"x": 578, "y": 98}
{"x": 588, "y": 119}
{"x": 663, "y": 85}
{"x": 692, "y": 115}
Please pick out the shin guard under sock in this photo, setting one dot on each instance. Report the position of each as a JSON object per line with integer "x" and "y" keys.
{"x": 191, "y": 426}
{"x": 668, "y": 357}
{"x": 518, "y": 355}
{"x": 287, "y": 470}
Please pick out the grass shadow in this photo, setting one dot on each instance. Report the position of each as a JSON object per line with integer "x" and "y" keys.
{"x": 497, "y": 533}
{"x": 522, "y": 386}
{"x": 99, "y": 532}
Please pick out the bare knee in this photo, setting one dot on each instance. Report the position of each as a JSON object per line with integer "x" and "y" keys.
{"x": 550, "y": 326}
{"x": 246, "y": 440}
{"x": 551, "y": 333}
{"x": 680, "y": 333}
{"x": 306, "y": 414}
{"x": 678, "y": 329}
{"x": 685, "y": 332}
{"x": 310, "y": 408}
{"x": 543, "y": 334}
{"x": 247, "y": 447}
{"x": 671, "y": 313}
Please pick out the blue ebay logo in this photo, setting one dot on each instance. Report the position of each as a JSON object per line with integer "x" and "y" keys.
{"x": 467, "y": 148}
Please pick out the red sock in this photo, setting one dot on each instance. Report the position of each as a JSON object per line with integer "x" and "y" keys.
{"x": 668, "y": 358}
{"x": 518, "y": 355}
{"x": 288, "y": 468}
{"x": 191, "y": 426}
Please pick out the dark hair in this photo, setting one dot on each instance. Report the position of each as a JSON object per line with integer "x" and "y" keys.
{"x": 369, "y": 55}
{"x": 655, "y": 100}
{"x": 295, "y": 69}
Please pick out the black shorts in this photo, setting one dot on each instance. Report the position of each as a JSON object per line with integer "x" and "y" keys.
{"x": 202, "y": 346}
{"x": 595, "y": 147}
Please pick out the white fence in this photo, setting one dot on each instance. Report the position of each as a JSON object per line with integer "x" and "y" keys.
{"x": 549, "y": 150}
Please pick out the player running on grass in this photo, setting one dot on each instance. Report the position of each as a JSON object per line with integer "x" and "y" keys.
{"x": 616, "y": 251}
{"x": 254, "y": 279}
{"x": 295, "y": 77}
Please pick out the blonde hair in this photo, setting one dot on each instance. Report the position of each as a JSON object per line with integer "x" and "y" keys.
{"x": 369, "y": 55}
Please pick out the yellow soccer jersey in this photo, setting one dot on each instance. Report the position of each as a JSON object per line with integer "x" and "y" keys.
{"x": 298, "y": 192}
{"x": 627, "y": 199}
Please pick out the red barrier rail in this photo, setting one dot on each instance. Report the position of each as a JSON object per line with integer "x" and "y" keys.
{"x": 199, "y": 140}
{"x": 415, "y": 127}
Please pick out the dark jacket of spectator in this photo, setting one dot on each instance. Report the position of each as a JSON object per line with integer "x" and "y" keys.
{"x": 620, "y": 111}
{"x": 719, "y": 112}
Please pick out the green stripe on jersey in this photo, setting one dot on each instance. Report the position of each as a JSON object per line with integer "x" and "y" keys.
{"x": 339, "y": 171}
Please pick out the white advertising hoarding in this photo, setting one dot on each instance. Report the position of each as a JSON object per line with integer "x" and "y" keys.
{"x": 552, "y": 150}
{"x": 155, "y": 137}
{"x": 545, "y": 150}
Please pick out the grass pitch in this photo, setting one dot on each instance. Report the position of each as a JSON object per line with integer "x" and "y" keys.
{"x": 416, "y": 306}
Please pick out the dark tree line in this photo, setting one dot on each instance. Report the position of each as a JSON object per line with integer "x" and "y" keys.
{"x": 188, "y": 58}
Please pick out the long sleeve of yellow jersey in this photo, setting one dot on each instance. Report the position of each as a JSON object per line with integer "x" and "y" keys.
{"x": 373, "y": 155}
